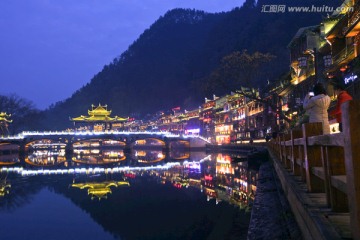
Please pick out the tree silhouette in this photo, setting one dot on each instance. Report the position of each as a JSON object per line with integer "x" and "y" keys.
{"x": 23, "y": 112}
{"x": 239, "y": 69}
{"x": 240, "y": 72}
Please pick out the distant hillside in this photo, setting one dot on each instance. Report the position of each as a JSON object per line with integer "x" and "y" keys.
{"x": 163, "y": 68}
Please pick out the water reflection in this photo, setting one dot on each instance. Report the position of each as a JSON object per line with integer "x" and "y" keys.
{"x": 98, "y": 156}
{"x": 152, "y": 193}
{"x": 149, "y": 142}
{"x": 219, "y": 178}
{"x": 99, "y": 190}
{"x": 179, "y": 155}
{"x": 4, "y": 185}
{"x": 216, "y": 175}
{"x": 147, "y": 156}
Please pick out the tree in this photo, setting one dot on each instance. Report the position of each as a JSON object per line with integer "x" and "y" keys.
{"x": 23, "y": 112}
{"x": 240, "y": 72}
{"x": 239, "y": 69}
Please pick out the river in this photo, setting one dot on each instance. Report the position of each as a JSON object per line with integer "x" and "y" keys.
{"x": 111, "y": 194}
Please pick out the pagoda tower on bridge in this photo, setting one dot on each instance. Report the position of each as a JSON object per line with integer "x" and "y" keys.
{"x": 99, "y": 119}
{"x": 4, "y": 123}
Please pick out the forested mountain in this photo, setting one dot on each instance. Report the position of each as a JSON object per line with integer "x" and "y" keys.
{"x": 166, "y": 65}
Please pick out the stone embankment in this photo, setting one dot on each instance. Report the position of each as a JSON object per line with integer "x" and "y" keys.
{"x": 271, "y": 216}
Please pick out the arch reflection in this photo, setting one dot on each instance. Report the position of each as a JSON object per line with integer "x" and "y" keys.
{"x": 179, "y": 144}
{"x": 147, "y": 156}
{"x": 98, "y": 156}
{"x": 149, "y": 142}
{"x": 178, "y": 154}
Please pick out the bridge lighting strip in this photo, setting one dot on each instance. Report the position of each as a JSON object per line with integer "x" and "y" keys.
{"x": 25, "y": 172}
{"x": 207, "y": 158}
{"x": 88, "y": 133}
{"x": 91, "y": 133}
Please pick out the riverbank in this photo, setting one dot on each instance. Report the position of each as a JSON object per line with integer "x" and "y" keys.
{"x": 271, "y": 216}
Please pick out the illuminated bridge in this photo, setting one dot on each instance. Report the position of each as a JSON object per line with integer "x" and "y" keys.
{"x": 164, "y": 140}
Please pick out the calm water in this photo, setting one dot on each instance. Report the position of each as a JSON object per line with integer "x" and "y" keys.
{"x": 109, "y": 194}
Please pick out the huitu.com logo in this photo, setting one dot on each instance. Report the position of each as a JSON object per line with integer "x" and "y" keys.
{"x": 304, "y": 9}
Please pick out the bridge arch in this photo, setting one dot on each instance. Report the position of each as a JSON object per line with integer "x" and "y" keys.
{"x": 151, "y": 141}
{"x": 98, "y": 142}
{"x": 179, "y": 155}
{"x": 44, "y": 143}
{"x": 9, "y": 153}
{"x": 45, "y": 152}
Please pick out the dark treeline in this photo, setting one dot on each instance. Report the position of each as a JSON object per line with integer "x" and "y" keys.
{"x": 166, "y": 66}
{"x": 24, "y": 115}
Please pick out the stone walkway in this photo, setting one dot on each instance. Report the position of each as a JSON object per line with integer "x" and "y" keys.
{"x": 271, "y": 216}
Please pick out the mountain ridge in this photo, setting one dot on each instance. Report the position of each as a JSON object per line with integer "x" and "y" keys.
{"x": 166, "y": 65}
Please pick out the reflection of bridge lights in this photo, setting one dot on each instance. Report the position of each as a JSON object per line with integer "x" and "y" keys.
{"x": 25, "y": 172}
{"x": 205, "y": 159}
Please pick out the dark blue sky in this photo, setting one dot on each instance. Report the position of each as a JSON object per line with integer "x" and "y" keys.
{"x": 51, "y": 48}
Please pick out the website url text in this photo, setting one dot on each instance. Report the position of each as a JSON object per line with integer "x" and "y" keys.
{"x": 308, "y": 9}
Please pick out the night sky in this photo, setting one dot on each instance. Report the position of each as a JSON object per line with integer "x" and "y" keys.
{"x": 51, "y": 48}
